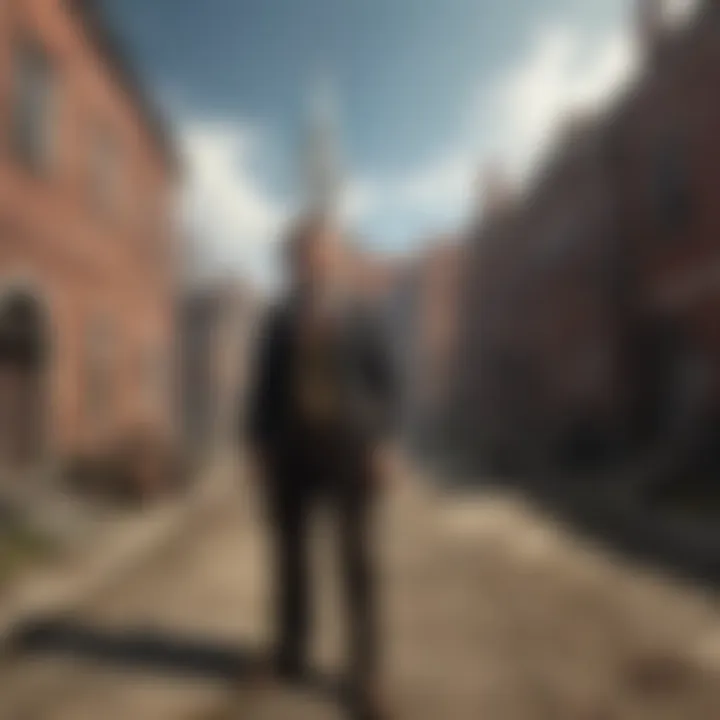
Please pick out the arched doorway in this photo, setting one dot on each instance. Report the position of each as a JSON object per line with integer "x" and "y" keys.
{"x": 23, "y": 358}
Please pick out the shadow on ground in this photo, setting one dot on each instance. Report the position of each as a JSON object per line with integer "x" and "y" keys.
{"x": 687, "y": 548}
{"x": 153, "y": 651}
{"x": 619, "y": 514}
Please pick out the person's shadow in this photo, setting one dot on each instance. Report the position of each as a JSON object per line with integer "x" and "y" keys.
{"x": 154, "y": 651}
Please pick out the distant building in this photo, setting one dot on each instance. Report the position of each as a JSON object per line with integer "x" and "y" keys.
{"x": 402, "y": 313}
{"x": 217, "y": 319}
{"x": 422, "y": 313}
{"x": 87, "y": 248}
{"x": 373, "y": 275}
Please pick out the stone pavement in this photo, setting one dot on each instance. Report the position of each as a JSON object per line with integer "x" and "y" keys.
{"x": 109, "y": 545}
{"x": 491, "y": 612}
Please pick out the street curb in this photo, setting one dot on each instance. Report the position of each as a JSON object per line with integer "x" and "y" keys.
{"x": 63, "y": 589}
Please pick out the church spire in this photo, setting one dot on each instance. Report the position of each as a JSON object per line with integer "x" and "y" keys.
{"x": 321, "y": 175}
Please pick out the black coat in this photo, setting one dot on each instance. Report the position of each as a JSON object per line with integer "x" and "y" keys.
{"x": 367, "y": 378}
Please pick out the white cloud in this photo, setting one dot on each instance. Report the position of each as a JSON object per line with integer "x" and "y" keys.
{"x": 229, "y": 217}
{"x": 445, "y": 181}
{"x": 439, "y": 188}
{"x": 237, "y": 221}
{"x": 566, "y": 69}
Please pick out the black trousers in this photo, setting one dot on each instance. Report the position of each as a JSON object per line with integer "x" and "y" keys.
{"x": 330, "y": 476}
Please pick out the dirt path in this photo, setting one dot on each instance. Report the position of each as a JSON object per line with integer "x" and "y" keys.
{"x": 490, "y": 612}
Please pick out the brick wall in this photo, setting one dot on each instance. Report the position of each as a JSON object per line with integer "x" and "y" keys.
{"x": 618, "y": 235}
{"x": 89, "y": 265}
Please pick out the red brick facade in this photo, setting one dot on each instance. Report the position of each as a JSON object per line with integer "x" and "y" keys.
{"x": 589, "y": 297}
{"x": 100, "y": 267}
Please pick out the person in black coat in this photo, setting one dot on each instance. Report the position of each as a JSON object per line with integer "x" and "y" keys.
{"x": 321, "y": 413}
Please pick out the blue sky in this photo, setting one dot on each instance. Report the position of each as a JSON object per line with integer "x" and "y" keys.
{"x": 427, "y": 93}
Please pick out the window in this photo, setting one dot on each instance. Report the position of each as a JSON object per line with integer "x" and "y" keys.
{"x": 33, "y": 108}
{"x": 103, "y": 175}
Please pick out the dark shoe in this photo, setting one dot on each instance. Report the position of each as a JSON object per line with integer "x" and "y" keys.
{"x": 276, "y": 669}
{"x": 289, "y": 668}
{"x": 365, "y": 703}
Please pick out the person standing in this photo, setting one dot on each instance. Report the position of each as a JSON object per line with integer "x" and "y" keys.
{"x": 321, "y": 413}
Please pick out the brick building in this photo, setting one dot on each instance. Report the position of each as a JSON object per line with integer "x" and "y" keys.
{"x": 218, "y": 320}
{"x": 665, "y": 153}
{"x": 488, "y": 331}
{"x": 373, "y": 275}
{"x": 561, "y": 352}
{"x": 86, "y": 243}
{"x": 590, "y": 303}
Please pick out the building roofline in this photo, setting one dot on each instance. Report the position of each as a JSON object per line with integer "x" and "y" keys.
{"x": 95, "y": 24}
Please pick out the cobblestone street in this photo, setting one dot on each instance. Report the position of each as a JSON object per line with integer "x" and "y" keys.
{"x": 490, "y": 612}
